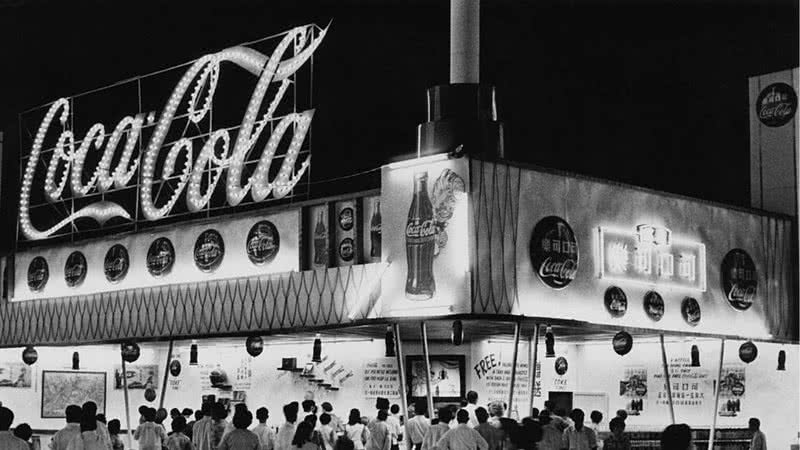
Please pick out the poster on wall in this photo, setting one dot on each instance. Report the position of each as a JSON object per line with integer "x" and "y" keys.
{"x": 63, "y": 388}
{"x": 371, "y": 229}
{"x": 633, "y": 387}
{"x": 318, "y": 247}
{"x": 138, "y": 377}
{"x": 446, "y": 377}
{"x": 425, "y": 213}
{"x": 381, "y": 378}
{"x": 15, "y": 375}
{"x": 731, "y": 390}
{"x": 491, "y": 377}
{"x": 346, "y": 231}
{"x": 690, "y": 386}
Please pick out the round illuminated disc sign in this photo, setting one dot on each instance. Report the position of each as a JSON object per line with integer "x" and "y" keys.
{"x": 347, "y": 249}
{"x": 554, "y": 252}
{"x": 690, "y": 310}
{"x": 38, "y": 273}
{"x": 149, "y": 394}
{"x": 616, "y": 301}
{"x": 739, "y": 279}
{"x": 254, "y": 345}
{"x": 160, "y": 257}
{"x": 263, "y": 242}
{"x": 622, "y": 343}
{"x": 175, "y": 368}
{"x": 209, "y": 249}
{"x": 561, "y": 365}
{"x": 75, "y": 269}
{"x": 654, "y": 305}
{"x": 346, "y": 219}
{"x": 748, "y": 352}
{"x": 30, "y": 355}
{"x": 116, "y": 263}
{"x": 130, "y": 351}
{"x": 776, "y": 105}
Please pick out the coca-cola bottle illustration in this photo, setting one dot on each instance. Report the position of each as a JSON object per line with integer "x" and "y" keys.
{"x": 320, "y": 242}
{"x": 420, "y": 242}
{"x": 375, "y": 231}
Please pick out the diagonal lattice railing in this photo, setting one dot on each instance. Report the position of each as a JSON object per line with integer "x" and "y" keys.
{"x": 286, "y": 301}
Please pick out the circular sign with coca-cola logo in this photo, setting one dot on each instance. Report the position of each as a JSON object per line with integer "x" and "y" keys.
{"x": 554, "y": 252}
{"x": 739, "y": 279}
{"x": 75, "y": 269}
{"x": 263, "y": 242}
{"x": 616, "y": 301}
{"x": 346, "y": 219}
{"x": 346, "y": 249}
{"x": 690, "y": 310}
{"x": 116, "y": 263}
{"x": 654, "y": 305}
{"x": 209, "y": 249}
{"x": 38, "y": 274}
{"x": 160, "y": 257}
{"x": 561, "y": 365}
{"x": 776, "y": 105}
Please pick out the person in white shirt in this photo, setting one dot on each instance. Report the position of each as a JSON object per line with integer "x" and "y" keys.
{"x": 393, "y": 421}
{"x": 417, "y": 426}
{"x": 7, "y": 440}
{"x": 472, "y": 405}
{"x": 266, "y": 436}
{"x": 327, "y": 431}
{"x": 149, "y": 434}
{"x": 90, "y": 409}
{"x": 435, "y": 432}
{"x": 463, "y": 436}
{"x": 596, "y": 417}
{"x": 759, "y": 441}
{"x": 90, "y": 438}
{"x": 577, "y": 436}
{"x": 63, "y": 437}
{"x": 287, "y": 430}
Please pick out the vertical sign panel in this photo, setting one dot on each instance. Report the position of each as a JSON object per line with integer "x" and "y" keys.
{"x": 372, "y": 233}
{"x": 346, "y": 229}
{"x": 318, "y": 233}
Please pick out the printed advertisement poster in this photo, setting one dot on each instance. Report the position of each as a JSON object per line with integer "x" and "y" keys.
{"x": 691, "y": 386}
{"x": 425, "y": 210}
{"x": 731, "y": 390}
{"x": 491, "y": 376}
{"x": 381, "y": 378}
{"x": 15, "y": 375}
{"x": 372, "y": 235}
{"x": 633, "y": 387}
{"x": 139, "y": 377}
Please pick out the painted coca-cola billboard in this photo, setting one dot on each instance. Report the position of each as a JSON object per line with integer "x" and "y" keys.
{"x": 554, "y": 252}
{"x": 776, "y": 105}
{"x": 739, "y": 279}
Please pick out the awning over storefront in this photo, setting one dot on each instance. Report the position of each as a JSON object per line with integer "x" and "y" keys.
{"x": 283, "y": 302}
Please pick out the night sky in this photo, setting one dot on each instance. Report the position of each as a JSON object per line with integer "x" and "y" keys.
{"x": 652, "y": 93}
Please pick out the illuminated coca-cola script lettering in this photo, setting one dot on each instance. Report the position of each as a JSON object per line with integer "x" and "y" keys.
{"x": 202, "y": 169}
{"x": 651, "y": 256}
{"x": 554, "y": 252}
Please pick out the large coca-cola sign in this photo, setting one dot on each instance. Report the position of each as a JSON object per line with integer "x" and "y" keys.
{"x": 739, "y": 279}
{"x": 554, "y": 252}
{"x": 776, "y": 105}
{"x": 190, "y": 166}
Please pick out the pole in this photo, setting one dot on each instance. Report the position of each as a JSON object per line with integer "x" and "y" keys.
{"x": 716, "y": 396}
{"x": 534, "y": 352}
{"x": 465, "y": 41}
{"x": 513, "y": 368}
{"x": 427, "y": 357}
{"x": 666, "y": 377}
{"x": 127, "y": 403}
{"x": 166, "y": 375}
{"x": 401, "y": 369}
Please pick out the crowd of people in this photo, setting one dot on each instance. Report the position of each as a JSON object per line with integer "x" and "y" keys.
{"x": 457, "y": 427}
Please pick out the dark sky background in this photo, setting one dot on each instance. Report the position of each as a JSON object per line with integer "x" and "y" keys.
{"x": 652, "y": 93}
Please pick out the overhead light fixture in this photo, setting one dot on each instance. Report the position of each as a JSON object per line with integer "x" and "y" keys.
{"x": 316, "y": 356}
{"x": 549, "y": 343}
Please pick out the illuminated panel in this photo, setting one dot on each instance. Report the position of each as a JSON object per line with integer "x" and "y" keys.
{"x": 631, "y": 256}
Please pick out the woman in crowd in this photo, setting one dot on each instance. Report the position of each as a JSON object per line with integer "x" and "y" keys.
{"x": 355, "y": 430}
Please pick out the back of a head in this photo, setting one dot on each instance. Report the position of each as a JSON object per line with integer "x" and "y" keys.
{"x": 206, "y": 409}
{"x": 382, "y": 415}
{"x": 23, "y": 431}
{"x": 327, "y": 407}
{"x": 90, "y": 407}
{"x": 616, "y": 424}
{"x": 262, "y": 414}
{"x": 174, "y": 412}
{"x": 548, "y": 405}
{"x": 354, "y": 417}
{"x": 187, "y": 412}
{"x": 560, "y": 412}
{"x": 325, "y": 418}
{"x": 101, "y": 418}
{"x": 150, "y": 415}
{"x": 445, "y": 414}
{"x": 622, "y": 414}
{"x": 535, "y": 412}
{"x": 88, "y": 422}
{"x": 290, "y": 411}
{"x": 472, "y": 397}
{"x": 754, "y": 424}
{"x": 198, "y": 415}
{"x": 311, "y": 418}
{"x": 240, "y": 407}
{"x": 73, "y": 413}
{"x": 303, "y": 434}
{"x": 242, "y": 419}
{"x": 218, "y": 411}
{"x": 421, "y": 407}
{"x": 596, "y": 416}
{"x": 114, "y": 426}
{"x": 395, "y": 409}
{"x": 462, "y": 416}
{"x": 481, "y": 414}
{"x": 577, "y": 415}
{"x": 178, "y": 424}
{"x": 308, "y": 405}
{"x": 161, "y": 415}
{"x": 676, "y": 437}
{"x": 344, "y": 443}
{"x": 544, "y": 417}
{"x": 6, "y": 418}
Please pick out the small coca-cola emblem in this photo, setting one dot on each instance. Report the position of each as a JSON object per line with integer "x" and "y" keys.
{"x": 690, "y": 310}
{"x": 346, "y": 219}
{"x": 38, "y": 274}
{"x": 776, "y": 105}
{"x": 263, "y": 242}
{"x": 561, "y": 365}
{"x": 739, "y": 279}
{"x": 654, "y": 305}
{"x": 346, "y": 249}
{"x": 209, "y": 249}
{"x": 75, "y": 269}
{"x": 554, "y": 252}
{"x": 160, "y": 257}
{"x": 616, "y": 301}
{"x": 116, "y": 263}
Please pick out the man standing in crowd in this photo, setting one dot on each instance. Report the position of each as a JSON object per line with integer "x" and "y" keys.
{"x": 266, "y": 437}
{"x": 7, "y": 440}
{"x": 462, "y": 437}
{"x": 63, "y": 437}
{"x": 187, "y": 417}
{"x": 759, "y": 441}
{"x": 336, "y": 421}
{"x": 472, "y": 405}
{"x": 577, "y": 436}
{"x": 90, "y": 409}
{"x": 417, "y": 426}
{"x": 287, "y": 430}
{"x": 435, "y": 432}
{"x": 551, "y": 437}
{"x": 492, "y": 435}
{"x": 393, "y": 421}
{"x": 202, "y": 429}
{"x": 596, "y": 417}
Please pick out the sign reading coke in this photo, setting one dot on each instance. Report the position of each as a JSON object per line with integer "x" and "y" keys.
{"x": 554, "y": 252}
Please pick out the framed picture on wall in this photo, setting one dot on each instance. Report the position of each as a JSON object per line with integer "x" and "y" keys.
{"x": 447, "y": 377}
{"x": 61, "y": 388}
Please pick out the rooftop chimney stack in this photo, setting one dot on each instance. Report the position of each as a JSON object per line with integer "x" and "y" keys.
{"x": 464, "y": 112}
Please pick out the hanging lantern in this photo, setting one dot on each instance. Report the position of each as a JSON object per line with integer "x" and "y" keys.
{"x": 781, "y": 360}
{"x": 254, "y": 345}
{"x": 622, "y": 343}
{"x": 130, "y": 351}
{"x": 457, "y": 334}
{"x": 149, "y": 394}
{"x": 549, "y": 343}
{"x": 316, "y": 356}
{"x": 175, "y": 368}
{"x": 29, "y": 355}
{"x": 76, "y": 361}
{"x": 193, "y": 355}
{"x": 695, "y": 356}
{"x": 748, "y": 352}
{"x": 389, "y": 341}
